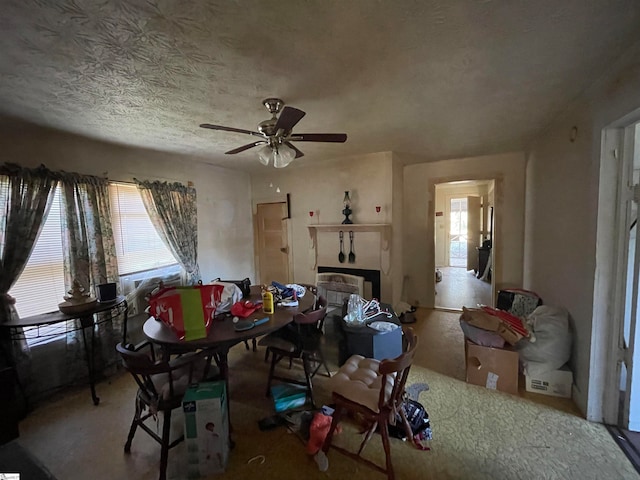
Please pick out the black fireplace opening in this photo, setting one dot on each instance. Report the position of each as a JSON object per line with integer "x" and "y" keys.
{"x": 372, "y": 276}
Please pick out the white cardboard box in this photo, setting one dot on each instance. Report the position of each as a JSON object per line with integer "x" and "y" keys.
{"x": 557, "y": 383}
{"x": 206, "y": 429}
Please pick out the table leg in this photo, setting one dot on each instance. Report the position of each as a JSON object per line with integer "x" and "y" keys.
{"x": 222, "y": 360}
{"x": 89, "y": 355}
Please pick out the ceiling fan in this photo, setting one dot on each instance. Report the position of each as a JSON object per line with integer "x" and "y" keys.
{"x": 276, "y": 135}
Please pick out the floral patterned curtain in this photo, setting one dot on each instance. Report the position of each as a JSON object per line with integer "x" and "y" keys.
{"x": 29, "y": 193}
{"x": 174, "y": 213}
{"x": 90, "y": 258}
{"x": 26, "y": 196}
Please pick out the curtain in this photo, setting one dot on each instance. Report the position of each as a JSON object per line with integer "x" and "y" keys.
{"x": 174, "y": 213}
{"x": 26, "y": 195}
{"x": 90, "y": 259}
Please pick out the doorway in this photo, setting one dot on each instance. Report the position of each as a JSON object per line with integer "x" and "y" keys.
{"x": 623, "y": 394}
{"x": 462, "y": 229}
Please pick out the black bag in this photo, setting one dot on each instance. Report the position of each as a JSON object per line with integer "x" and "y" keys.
{"x": 243, "y": 285}
{"x": 418, "y": 419}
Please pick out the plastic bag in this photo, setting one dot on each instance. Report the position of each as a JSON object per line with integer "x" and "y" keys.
{"x": 188, "y": 311}
{"x": 552, "y": 348}
{"x": 230, "y": 295}
{"x": 355, "y": 313}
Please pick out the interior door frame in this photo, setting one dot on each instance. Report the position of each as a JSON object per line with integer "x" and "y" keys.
{"x": 286, "y": 221}
{"x": 610, "y": 303}
{"x": 496, "y": 248}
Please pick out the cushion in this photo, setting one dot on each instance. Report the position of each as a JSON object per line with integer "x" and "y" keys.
{"x": 359, "y": 380}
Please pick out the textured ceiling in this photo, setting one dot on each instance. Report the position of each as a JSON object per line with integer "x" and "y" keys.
{"x": 442, "y": 79}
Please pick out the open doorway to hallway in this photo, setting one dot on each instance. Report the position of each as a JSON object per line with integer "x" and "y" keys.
{"x": 463, "y": 243}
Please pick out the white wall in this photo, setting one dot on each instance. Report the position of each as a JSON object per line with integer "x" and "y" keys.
{"x": 419, "y": 196}
{"x": 370, "y": 179}
{"x": 225, "y": 240}
{"x": 564, "y": 199}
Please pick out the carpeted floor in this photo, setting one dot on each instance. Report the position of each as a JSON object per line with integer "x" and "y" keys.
{"x": 478, "y": 433}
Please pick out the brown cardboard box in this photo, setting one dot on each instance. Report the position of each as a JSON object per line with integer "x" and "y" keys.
{"x": 493, "y": 368}
{"x": 481, "y": 319}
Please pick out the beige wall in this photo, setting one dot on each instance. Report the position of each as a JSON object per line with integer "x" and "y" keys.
{"x": 419, "y": 194}
{"x": 370, "y": 179}
{"x": 225, "y": 240}
{"x": 565, "y": 197}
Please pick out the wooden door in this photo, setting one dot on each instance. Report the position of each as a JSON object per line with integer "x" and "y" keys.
{"x": 272, "y": 248}
{"x": 474, "y": 231}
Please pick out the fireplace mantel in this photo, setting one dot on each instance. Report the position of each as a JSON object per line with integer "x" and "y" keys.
{"x": 383, "y": 228}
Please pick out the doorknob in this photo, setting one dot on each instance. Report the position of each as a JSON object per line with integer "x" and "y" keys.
{"x": 284, "y": 249}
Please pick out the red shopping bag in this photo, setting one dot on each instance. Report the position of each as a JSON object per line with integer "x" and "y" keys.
{"x": 188, "y": 311}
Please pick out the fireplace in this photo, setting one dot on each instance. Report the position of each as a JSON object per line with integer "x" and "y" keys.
{"x": 370, "y": 276}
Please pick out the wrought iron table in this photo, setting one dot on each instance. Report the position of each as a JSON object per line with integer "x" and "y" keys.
{"x": 88, "y": 319}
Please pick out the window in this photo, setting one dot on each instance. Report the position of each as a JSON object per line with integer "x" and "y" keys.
{"x": 458, "y": 232}
{"x": 40, "y": 287}
{"x": 138, "y": 245}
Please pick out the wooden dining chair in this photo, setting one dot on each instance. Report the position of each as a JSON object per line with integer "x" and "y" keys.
{"x": 373, "y": 391}
{"x": 161, "y": 386}
{"x": 299, "y": 340}
{"x": 312, "y": 289}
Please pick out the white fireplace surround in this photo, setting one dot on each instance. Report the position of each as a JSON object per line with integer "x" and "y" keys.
{"x": 372, "y": 248}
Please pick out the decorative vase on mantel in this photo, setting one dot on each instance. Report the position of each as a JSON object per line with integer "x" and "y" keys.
{"x": 346, "y": 202}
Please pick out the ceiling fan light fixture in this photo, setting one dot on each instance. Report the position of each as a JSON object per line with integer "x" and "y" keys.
{"x": 264, "y": 155}
{"x": 283, "y": 156}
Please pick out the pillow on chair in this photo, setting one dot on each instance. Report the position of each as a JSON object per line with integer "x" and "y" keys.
{"x": 359, "y": 381}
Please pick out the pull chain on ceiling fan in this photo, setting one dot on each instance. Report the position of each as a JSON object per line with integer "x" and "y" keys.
{"x": 276, "y": 135}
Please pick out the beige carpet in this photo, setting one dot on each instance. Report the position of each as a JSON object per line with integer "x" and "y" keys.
{"x": 478, "y": 434}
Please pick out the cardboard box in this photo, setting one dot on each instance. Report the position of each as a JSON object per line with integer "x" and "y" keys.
{"x": 477, "y": 317}
{"x": 493, "y": 368}
{"x": 206, "y": 428}
{"x": 557, "y": 383}
{"x": 288, "y": 395}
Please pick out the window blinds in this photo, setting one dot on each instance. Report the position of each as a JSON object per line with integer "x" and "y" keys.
{"x": 40, "y": 287}
{"x": 138, "y": 245}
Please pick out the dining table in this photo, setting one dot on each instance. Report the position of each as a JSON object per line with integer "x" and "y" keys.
{"x": 222, "y": 335}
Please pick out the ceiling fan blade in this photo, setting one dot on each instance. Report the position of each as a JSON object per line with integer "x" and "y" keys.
{"x": 319, "y": 137}
{"x": 288, "y": 119}
{"x": 230, "y": 129}
{"x": 298, "y": 152}
{"x": 245, "y": 147}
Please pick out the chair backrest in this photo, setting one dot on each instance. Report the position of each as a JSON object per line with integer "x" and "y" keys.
{"x": 143, "y": 367}
{"x": 315, "y": 317}
{"x": 310, "y": 288}
{"x": 309, "y": 326}
{"x": 399, "y": 367}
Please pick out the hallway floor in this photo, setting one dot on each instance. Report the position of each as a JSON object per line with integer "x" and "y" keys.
{"x": 460, "y": 287}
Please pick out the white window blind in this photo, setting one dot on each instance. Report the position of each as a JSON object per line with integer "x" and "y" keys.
{"x": 40, "y": 287}
{"x": 138, "y": 245}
